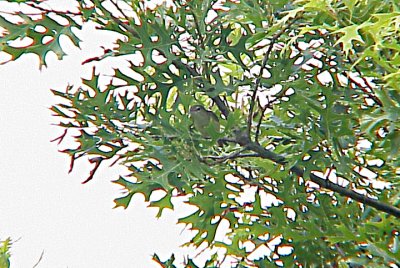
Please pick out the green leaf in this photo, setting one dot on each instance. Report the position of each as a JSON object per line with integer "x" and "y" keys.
{"x": 350, "y": 34}
{"x": 163, "y": 203}
{"x": 42, "y": 42}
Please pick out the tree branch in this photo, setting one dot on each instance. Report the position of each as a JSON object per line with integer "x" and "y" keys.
{"x": 126, "y": 27}
{"x": 45, "y": 10}
{"x": 264, "y": 153}
{"x": 258, "y": 129}
{"x": 370, "y": 94}
{"x": 243, "y": 138}
{"x": 115, "y": 3}
{"x": 197, "y": 29}
{"x": 40, "y": 258}
{"x": 363, "y": 89}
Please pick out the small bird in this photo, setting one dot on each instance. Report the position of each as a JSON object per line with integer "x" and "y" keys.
{"x": 204, "y": 121}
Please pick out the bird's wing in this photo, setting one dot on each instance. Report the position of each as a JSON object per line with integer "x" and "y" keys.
{"x": 212, "y": 115}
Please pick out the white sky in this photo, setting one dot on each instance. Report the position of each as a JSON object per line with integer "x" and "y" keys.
{"x": 48, "y": 209}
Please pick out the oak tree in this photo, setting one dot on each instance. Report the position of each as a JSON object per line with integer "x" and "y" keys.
{"x": 305, "y": 169}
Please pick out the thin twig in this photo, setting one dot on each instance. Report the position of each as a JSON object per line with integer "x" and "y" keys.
{"x": 126, "y": 27}
{"x": 263, "y": 65}
{"x": 340, "y": 250}
{"x": 119, "y": 9}
{"x": 16, "y": 13}
{"x": 363, "y": 89}
{"x": 45, "y": 10}
{"x": 219, "y": 263}
{"x": 40, "y": 258}
{"x": 370, "y": 94}
{"x": 197, "y": 29}
{"x": 260, "y": 121}
{"x": 267, "y": 106}
{"x": 234, "y": 155}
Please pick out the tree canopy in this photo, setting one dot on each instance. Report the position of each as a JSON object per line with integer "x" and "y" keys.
{"x": 305, "y": 169}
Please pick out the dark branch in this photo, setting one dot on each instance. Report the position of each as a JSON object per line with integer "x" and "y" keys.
{"x": 119, "y": 9}
{"x": 217, "y": 99}
{"x": 277, "y": 97}
{"x": 126, "y": 27}
{"x": 264, "y": 153}
{"x": 60, "y": 138}
{"x": 221, "y": 105}
{"x": 40, "y": 258}
{"x": 123, "y": 25}
{"x": 45, "y": 10}
{"x": 370, "y": 94}
{"x": 258, "y": 130}
{"x": 356, "y": 196}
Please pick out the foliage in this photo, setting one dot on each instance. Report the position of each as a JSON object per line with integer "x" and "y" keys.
{"x": 5, "y": 253}
{"x": 326, "y": 105}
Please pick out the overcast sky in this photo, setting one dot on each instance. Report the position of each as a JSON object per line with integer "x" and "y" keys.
{"x": 46, "y": 208}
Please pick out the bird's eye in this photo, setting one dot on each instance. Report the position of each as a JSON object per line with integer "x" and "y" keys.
{"x": 197, "y": 108}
